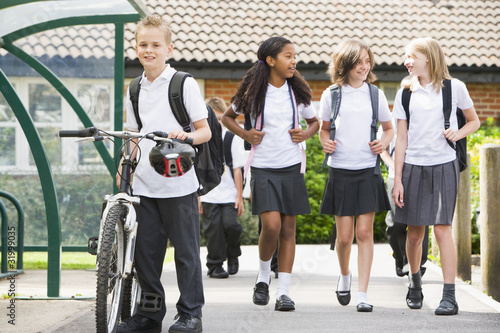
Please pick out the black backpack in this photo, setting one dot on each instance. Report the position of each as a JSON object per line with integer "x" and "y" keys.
{"x": 336, "y": 100}
{"x": 209, "y": 161}
{"x": 228, "y": 156}
{"x": 461, "y": 145}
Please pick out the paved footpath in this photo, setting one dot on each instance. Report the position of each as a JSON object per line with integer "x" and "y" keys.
{"x": 229, "y": 306}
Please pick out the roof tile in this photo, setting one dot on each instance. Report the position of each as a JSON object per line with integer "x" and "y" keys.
{"x": 230, "y": 31}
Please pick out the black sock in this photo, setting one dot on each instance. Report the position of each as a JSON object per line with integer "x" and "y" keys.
{"x": 415, "y": 280}
{"x": 449, "y": 293}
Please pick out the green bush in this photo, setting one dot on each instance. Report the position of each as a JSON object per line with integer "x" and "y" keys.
{"x": 80, "y": 200}
{"x": 489, "y": 132}
{"x": 250, "y": 224}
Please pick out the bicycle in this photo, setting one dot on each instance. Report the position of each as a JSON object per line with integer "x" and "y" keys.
{"x": 118, "y": 292}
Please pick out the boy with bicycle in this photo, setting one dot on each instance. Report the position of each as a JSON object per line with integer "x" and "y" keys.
{"x": 169, "y": 206}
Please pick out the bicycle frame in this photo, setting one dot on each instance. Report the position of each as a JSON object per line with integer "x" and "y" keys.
{"x": 130, "y": 202}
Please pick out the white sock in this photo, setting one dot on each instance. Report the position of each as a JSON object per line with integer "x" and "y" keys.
{"x": 264, "y": 271}
{"x": 361, "y": 297}
{"x": 283, "y": 284}
{"x": 344, "y": 282}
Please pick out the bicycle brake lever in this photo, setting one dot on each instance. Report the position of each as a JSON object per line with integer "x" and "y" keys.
{"x": 91, "y": 138}
{"x": 85, "y": 139}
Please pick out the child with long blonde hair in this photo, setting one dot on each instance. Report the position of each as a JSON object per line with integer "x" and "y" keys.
{"x": 426, "y": 167}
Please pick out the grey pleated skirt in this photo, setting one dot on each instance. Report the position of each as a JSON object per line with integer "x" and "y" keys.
{"x": 280, "y": 190}
{"x": 430, "y": 194}
{"x": 354, "y": 192}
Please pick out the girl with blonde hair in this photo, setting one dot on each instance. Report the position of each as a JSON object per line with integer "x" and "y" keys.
{"x": 426, "y": 168}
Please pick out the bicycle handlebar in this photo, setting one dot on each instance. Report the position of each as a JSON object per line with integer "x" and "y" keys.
{"x": 96, "y": 135}
{"x": 87, "y": 132}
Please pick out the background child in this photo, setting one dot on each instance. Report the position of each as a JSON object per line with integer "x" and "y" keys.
{"x": 426, "y": 169}
{"x": 169, "y": 206}
{"x": 273, "y": 93}
{"x": 221, "y": 207}
{"x": 353, "y": 188}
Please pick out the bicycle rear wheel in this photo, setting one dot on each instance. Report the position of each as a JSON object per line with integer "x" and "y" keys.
{"x": 110, "y": 271}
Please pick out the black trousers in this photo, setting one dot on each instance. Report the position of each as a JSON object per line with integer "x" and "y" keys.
{"x": 222, "y": 232}
{"x": 396, "y": 234}
{"x": 176, "y": 219}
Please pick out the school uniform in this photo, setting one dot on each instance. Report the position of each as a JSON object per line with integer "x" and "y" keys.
{"x": 353, "y": 188}
{"x": 396, "y": 232}
{"x": 276, "y": 182}
{"x": 220, "y": 219}
{"x": 430, "y": 171}
{"x": 169, "y": 206}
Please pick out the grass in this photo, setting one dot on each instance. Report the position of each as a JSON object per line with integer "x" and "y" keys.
{"x": 71, "y": 260}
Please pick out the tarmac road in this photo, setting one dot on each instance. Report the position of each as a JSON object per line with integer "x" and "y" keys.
{"x": 229, "y": 306}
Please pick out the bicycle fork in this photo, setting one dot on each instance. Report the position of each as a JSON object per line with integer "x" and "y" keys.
{"x": 129, "y": 225}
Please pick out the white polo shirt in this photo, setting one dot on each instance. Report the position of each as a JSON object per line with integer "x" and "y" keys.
{"x": 277, "y": 150}
{"x": 353, "y": 125}
{"x": 427, "y": 144}
{"x": 156, "y": 115}
{"x": 226, "y": 191}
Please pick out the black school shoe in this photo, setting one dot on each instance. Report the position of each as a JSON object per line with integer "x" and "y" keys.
{"x": 364, "y": 307}
{"x": 344, "y": 296}
{"x": 446, "y": 308}
{"x": 139, "y": 323}
{"x": 261, "y": 293}
{"x": 217, "y": 272}
{"x": 186, "y": 323}
{"x": 233, "y": 265}
{"x": 414, "y": 298}
{"x": 284, "y": 303}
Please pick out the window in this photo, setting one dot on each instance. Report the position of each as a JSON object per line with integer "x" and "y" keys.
{"x": 45, "y": 110}
{"x": 7, "y": 134}
{"x": 95, "y": 99}
{"x": 390, "y": 89}
{"x": 51, "y": 113}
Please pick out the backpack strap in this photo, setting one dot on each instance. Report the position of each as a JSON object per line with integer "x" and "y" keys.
{"x": 405, "y": 100}
{"x": 446, "y": 92}
{"x": 296, "y": 124}
{"x": 176, "y": 99}
{"x": 228, "y": 156}
{"x": 335, "y": 107}
{"x": 374, "y": 97}
{"x": 135, "y": 88}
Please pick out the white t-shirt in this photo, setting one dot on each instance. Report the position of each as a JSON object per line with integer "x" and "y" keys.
{"x": 226, "y": 191}
{"x": 277, "y": 150}
{"x": 353, "y": 126}
{"x": 427, "y": 144}
{"x": 156, "y": 115}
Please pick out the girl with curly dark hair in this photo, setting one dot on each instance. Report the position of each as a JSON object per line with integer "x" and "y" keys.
{"x": 275, "y": 96}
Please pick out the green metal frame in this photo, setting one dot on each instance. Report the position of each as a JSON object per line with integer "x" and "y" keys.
{"x": 47, "y": 181}
{"x": 19, "y": 233}
{"x": 48, "y": 188}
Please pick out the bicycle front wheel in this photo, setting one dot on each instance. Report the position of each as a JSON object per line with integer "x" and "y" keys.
{"x": 110, "y": 262}
{"x": 131, "y": 296}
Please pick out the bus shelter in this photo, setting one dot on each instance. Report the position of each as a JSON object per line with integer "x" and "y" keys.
{"x": 22, "y": 18}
